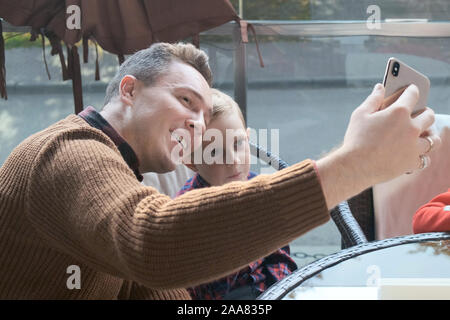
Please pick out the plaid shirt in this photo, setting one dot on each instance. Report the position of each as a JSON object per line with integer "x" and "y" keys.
{"x": 258, "y": 275}
{"x": 95, "y": 119}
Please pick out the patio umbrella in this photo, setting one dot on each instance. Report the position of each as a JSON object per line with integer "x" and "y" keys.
{"x": 118, "y": 26}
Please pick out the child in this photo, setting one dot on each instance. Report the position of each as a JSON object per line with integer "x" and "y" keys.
{"x": 434, "y": 216}
{"x": 251, "y": 281}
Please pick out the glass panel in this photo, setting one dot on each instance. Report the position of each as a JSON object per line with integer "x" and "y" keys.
{"x": 35, "y": 102}
{"x": 426, "y": 260}
{"x": 311, "y": 85}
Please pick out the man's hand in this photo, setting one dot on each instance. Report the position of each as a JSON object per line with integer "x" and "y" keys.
{"x": 379, "y": 145}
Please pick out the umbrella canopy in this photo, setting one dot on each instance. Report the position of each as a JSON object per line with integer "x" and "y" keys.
{"x": 118, "y": 26}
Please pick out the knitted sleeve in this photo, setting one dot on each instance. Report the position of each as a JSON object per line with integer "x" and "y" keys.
{"x": 85, "y": 201}
{"x": 133, "y": 291}
{"x": 433, "y": 216}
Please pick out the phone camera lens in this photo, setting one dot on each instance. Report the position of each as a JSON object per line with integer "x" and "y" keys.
{"x": 396, "y": 69}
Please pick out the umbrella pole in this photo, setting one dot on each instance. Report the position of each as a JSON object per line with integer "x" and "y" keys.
{"x": 240, "y": 71}
{"x": 3, "y": 93}
{"x": 76, "y": 80}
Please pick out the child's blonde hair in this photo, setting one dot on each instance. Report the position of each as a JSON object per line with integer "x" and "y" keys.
{"x": 223, "y": 103}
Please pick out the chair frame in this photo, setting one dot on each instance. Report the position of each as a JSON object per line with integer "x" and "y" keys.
{"x": 286, "y": 285}
{"x": 360, "y": 214}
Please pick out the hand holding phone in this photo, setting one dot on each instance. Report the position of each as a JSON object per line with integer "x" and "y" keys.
{"x": 398, "y": 76}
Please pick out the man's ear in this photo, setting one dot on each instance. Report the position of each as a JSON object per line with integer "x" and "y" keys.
{"x": 127, "y": 89}
{"x": 248, "y": 134}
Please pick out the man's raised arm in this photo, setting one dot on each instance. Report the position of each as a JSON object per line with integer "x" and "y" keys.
{"x": 379, "y": 145}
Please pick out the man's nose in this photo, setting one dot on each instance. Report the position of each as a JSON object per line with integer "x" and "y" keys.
{"x": 197, "y": 125}
{"x": 196, "y": 129}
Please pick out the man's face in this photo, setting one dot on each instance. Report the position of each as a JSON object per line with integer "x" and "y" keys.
{"x": 179, "y": 99}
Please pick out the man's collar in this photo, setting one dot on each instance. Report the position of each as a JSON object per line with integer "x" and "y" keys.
{"x": 95, "y": 119}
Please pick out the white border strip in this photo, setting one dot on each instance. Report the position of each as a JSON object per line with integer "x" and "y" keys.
{"x": 408, "y": 28}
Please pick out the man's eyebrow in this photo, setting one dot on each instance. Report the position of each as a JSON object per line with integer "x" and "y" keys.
{"x": 191, "y": 90}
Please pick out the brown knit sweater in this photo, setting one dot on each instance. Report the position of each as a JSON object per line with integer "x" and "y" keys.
{"x": 67, "y": 197}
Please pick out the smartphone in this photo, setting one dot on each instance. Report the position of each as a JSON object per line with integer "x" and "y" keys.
{"x": 399, "y": 75}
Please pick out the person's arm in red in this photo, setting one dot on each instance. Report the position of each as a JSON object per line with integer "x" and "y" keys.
{"x": 433, "y": 216}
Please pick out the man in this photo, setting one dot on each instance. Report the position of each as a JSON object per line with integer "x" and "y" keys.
{"x": 71, "y": 204}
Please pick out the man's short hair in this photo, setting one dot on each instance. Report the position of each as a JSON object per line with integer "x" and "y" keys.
{"x": 148, "y": 64}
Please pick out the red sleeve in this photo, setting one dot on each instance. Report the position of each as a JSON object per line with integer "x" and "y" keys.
{"x": 433, "y": 216}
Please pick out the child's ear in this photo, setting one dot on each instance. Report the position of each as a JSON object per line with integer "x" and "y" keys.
{"x": 248, "y": 133}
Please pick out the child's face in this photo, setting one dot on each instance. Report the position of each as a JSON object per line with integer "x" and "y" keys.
{"x": 237, "y": 166}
